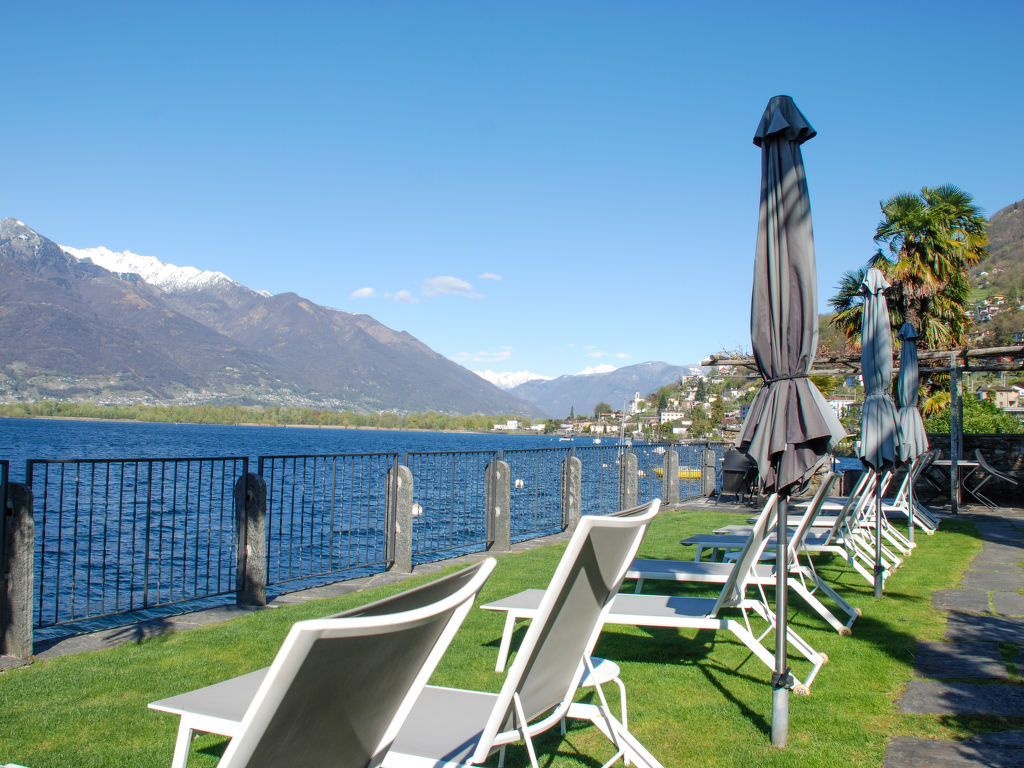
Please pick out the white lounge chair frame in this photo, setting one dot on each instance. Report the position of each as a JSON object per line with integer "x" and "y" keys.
{"x": 339, "y": 688}
{"x": 455, "y": 727}
{"x": 687, "y": 612}
{"x": 849, "y": 536}
{"x": 803, "y": 580}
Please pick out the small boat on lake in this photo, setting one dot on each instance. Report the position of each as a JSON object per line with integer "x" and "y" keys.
{"x": 685, "y": 473}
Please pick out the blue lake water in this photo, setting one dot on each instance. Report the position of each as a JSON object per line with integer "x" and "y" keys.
{"x": 82, "y": 559}
{"x": 23, "y": 439}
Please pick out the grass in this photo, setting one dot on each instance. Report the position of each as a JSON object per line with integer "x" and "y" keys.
{"x": 695, "y": 699}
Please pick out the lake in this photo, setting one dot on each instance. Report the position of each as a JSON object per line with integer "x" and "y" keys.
{"x": 23, "y": 439}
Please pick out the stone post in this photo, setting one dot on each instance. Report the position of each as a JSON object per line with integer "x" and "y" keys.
{"x": 499, "y": 505}
{"x": 629, "y": 481}
{"x": 251, "y": 531}
{"x": 16, "y": 585}
{"x": 708, "y": 463}
{"x": 399, "y": 506}
{"x": 572, "y": 492}
{"x": 670, "y": 480}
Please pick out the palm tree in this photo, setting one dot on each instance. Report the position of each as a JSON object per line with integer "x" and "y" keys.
{"x": 928, "y": 241}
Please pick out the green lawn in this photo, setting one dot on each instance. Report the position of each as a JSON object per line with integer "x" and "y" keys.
{"x": 695, "y": 699}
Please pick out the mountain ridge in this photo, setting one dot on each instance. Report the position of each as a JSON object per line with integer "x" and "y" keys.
{"x": 581, "y": 392}
{"x": 76, "y": 330}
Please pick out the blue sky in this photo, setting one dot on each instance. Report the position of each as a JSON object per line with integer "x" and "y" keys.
{"x": 541, "y": 186}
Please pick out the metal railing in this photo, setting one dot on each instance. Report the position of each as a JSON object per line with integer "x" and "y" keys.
{"x": 600, "y": 477}
{"x": 536, "y": 491}
{"x": 114, "y": 536}
{"x": 117, "y": 536}
{"x": 326, "y": 514}
{"x": 449, "y": 501}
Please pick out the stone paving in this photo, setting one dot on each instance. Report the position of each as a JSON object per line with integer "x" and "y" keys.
{"x": 976, "y": 671}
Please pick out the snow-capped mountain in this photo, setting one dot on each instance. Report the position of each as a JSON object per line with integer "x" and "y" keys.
{"x": 93, "y": 324}
{"x": 167, "y": 277}
{"x": 510, "y": 379}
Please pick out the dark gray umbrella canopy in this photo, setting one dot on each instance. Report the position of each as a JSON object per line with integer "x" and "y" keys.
{"x": 913, "y": 438}
{"x": 788, "y": 410}
{"x": 879, "y": 439}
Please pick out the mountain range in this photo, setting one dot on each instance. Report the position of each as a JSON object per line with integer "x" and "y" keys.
{"x": 580, "y": 393}
{"x": 120, "y": 328}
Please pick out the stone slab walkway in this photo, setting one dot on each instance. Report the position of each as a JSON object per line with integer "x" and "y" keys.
{"x": 968, "y": 674}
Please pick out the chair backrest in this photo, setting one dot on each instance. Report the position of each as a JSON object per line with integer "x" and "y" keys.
{"x": 996, "y": 473}
{"x": 796, "y": 541}
{"x": 546, "y": 671}
{"x": 340, "y": 687}
{"x": 736, "y": 585}
{"x": 864, "y": 510}
{"x": 851, "y": 505}
{"x": 921, "y": 463}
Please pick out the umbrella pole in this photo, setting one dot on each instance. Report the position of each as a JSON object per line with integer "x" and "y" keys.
{"x": 780, "y": 678}
{"x": 879, "y": 571}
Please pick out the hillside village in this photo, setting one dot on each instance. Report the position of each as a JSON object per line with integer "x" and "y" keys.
{"x": 714, "y": 406}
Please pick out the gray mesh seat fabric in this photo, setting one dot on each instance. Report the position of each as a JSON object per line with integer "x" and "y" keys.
{"x": 454, "y": 727}
{"x": 339, "y": 687}
{"x": 803, "y": 580}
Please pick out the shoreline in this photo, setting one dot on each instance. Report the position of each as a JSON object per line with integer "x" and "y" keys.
{"x": 114, "y": 420}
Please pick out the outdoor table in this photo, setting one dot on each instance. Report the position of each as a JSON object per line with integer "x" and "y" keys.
{"x": 967, "y": 469}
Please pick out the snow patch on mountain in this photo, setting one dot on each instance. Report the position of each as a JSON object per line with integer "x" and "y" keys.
{"x": 166, "y": 277}
{"x": 508, "y": 380}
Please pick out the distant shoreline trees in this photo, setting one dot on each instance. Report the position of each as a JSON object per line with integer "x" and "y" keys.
{"x": 259, "y": 415}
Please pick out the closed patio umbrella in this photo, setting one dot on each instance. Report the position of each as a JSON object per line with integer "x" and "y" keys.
{"x": 879, "y": 439}
{"x": 790, "y": 428}
{"x": 913, "y": 438}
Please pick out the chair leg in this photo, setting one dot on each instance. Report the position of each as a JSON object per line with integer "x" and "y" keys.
{"x": 182, "y": 744}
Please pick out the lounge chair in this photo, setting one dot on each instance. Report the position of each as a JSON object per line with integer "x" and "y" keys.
{"x": 803, "y": 580}
{"x": 862, "y": 520}
{"x": 684, "y": 612}
{"x": 990, "y": 473}
{"x": 339, "y": 687}
{"x": 455, "y": 727}
{"x": 899, "y": 507}
{"x": 847, "y": 536}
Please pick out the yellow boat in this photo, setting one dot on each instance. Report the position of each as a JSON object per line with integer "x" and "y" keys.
{"x": 685, "y": 473}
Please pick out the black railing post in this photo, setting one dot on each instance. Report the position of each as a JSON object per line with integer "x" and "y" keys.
{"x": 499, "y": 505}
{"x": 399, "y": 506}
{"x": 251, "y": 532}
{"x": 572, "y": 492}
{"x": 670, "y": 480}
{"x": 16, "y": 588}
{"x": 629, "y": 480}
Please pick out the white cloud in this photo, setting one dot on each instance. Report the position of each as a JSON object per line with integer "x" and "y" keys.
{"x": 489, "y": 276}
{"x": 446, "y": 285}
{"x": 601, "y": 353}
{"x": 363, "y": 293}
{"x": 404, "y": 297}
{"x": 603, "y": 368}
